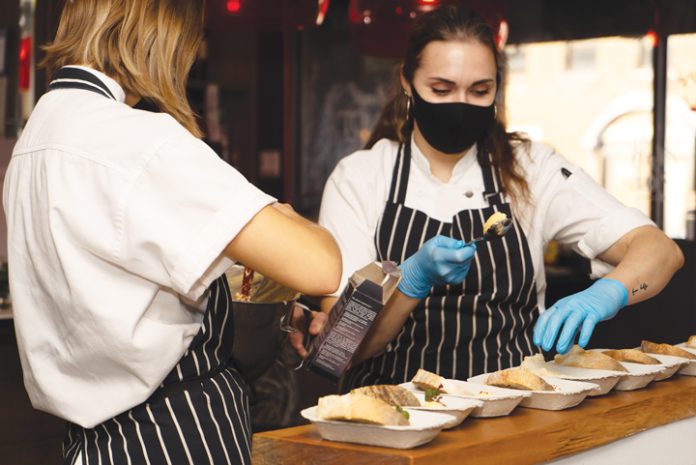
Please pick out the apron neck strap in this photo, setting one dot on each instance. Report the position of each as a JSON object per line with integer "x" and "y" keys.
{"x": 493, "y": 185}
{"x": 69, "y": 77}
{"x": 402, "y": 169}
{"x": 491, "y": 176}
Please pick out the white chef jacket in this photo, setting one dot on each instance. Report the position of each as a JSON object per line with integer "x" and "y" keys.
{"x": 572, "y": 210}
{"x": 117, "y": 220}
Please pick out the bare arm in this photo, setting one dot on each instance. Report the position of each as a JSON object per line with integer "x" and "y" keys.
{"x": 385, "y": 328}
{"x": 290, "y": 250}
{"x": 645, "y": 260}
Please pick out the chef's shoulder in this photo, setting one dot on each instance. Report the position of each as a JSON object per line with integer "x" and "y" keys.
{"x": 367, "y": 167}
{"x": 538, "y": 161}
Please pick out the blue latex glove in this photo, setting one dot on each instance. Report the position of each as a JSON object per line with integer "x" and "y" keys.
{"x": 441, "y": 260}
{"x": 599, "y": 302}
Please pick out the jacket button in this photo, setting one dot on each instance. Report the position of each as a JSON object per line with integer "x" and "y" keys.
{"x": 469, "y": 194}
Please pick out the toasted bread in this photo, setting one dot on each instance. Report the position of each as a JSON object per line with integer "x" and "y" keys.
{"x": 518, "y": 378}
{"x": 360, "y": 409}
{"x": 581, "y": 358}
{"x": 392, "y": 395}
{"x": 427, "y": 380}
{"x": 631, "y": 355}
{"x": 691, "y": 343}
{"x": 665, "y": 349}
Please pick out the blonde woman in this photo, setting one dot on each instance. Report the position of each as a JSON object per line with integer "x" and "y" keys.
{"x": 121, "y": 224}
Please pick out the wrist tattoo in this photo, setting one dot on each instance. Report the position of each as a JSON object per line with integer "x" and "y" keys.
{"x": 642, "y": 287}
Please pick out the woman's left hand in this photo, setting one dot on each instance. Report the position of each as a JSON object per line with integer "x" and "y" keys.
{"x": 299, "y": 322}
{"x": 599, "y": 302}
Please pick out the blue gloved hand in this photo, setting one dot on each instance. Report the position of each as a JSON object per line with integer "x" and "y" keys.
{"x": 599, "y": 302}
{"x": 441, "y": 260}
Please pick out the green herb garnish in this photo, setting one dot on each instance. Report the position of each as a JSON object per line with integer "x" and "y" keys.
{"x": 432, "y": 394}
{"x": 402, "y": 412}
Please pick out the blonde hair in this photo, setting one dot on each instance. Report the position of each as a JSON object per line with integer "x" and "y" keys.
{"x": 147, "y": 46}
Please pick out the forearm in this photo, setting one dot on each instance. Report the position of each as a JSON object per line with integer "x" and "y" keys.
{"x": 645, "y": 263}
{"x": 386, "y": 326}
{"x": 289, "y": 249}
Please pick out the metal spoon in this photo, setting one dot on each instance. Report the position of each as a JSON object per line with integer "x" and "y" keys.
{"x": 496, "y": 231}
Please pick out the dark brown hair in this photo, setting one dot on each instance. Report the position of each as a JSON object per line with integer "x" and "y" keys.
{"x": 449, "y": 23}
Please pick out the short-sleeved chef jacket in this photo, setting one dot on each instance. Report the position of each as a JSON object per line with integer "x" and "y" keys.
{"x": 565, "y": 203}
{"x": 117, "y": 222}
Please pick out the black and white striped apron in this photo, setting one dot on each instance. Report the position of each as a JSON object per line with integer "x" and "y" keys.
{"x": 200, "y": 413}
{"x": 482, "y": 325}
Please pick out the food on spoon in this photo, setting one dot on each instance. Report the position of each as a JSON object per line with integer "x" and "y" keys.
{"x": 581, "y": 358}
{"x": 518, "y": 378}
{"x": 496, "y": 219}
{"x": 691, "y": 342}
{"x": 665, "y": 349}
{"x": 359, "y": 408}
{"x": 631, "y": 355}
{"x": 392, "y": 395}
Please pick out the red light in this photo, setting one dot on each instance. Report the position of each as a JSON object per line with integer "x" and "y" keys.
{"x": 652, "y": 38}
{"x": 399, "y": 10}
{"x": 428, "y": 2}
{"x": 25, "y": 63}
{"x": 321, "y": 14}
{"x": 233, "y": 6}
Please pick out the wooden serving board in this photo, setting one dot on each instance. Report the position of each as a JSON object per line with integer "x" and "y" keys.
{"x": 525, "y": 437}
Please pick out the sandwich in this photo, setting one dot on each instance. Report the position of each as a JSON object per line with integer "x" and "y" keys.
{"x": 631, "y": 355}
{"x": 395, "y": 396}
{"x": 691, "y": 343}
{"x": 581, "y": 358}
{"x": 665, "y": 349}
{"x": 518, "y": 378}
{"x": 426, "y": 380}
{"x": 359, "y": 408}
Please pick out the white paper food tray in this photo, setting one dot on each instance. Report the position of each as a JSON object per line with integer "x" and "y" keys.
{"x": 566, "y": 393}
{"x": 604, "y": 379}
{"x": 671, "y": 365}
{"x": 689, "y": 368}
{"x": 423, "y": 428}
{"x": 639, "y": 375}
{"x": 457, "y": 408}
{"x": 496, "y": 401}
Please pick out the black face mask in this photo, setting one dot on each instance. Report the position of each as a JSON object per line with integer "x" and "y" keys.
{"x": 451, "y": 127}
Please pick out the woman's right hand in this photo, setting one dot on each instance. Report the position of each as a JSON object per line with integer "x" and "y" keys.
{"x": 441, "y": 260}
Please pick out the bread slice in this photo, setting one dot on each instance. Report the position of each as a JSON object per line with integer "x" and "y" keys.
{"x": 360, "y": 409}
{"x": 631, "y": 355}
{"x": 392, "y": 395}
{"x": 581, "y": 358}
{"x": 427, "y": 380}
{"x": 691, "y": 343}
{"x": 665, "y": 349}
{"x": 518, "y": 378}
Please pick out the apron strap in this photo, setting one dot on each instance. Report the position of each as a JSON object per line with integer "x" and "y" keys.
{"x": 491, "y": 177}
{"x": 402, "y": 168}
{"x": 69, "y": 77}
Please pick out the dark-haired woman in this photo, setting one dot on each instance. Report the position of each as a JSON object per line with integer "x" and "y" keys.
{"x": 439, "y": 164}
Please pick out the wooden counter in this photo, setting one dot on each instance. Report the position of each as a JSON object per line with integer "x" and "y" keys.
{"x": 525, "y": 437}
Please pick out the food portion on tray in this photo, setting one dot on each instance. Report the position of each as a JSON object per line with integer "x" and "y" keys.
{"x": 413, "y": 413}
